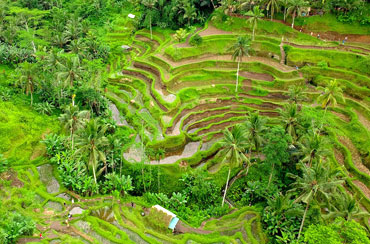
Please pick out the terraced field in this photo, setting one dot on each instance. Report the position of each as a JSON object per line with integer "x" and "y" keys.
{"x": 181, "y": 97}
{"x": 191, "y": 91}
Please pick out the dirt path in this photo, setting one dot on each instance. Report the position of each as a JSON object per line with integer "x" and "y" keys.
{"x": 328, "y": 35}
{"x": 341, "y": 48}
{"x": 211, "y": 30}
{"x": 356, "y": 158}
{"x": 341, "y": 116}
{"x": 365, "y": 122}
{"x": 207, "y": 57}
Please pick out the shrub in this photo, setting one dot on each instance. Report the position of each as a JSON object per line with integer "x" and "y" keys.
{"x": 196, "y": 40}
{"x": 180, "y": 35}
{"x": 3, "y": 164}
{"x": 13, "y": 225}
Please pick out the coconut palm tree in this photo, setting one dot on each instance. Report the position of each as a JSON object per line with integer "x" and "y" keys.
{"x": 255, "y": 126}
{"x": 273, "y": 6}
{"x": 254, "y": 17}
{"x": 330, "y": 95}
{"x": 150, "y": 4}
{"x": 345, "y": 206}
{"x": 90, "y": 143}
{"x": 233, "y": 146}
{"x": 296, "y": 94}
{"x": 158, "y": 154}
{"x": 295, "y": 8}
{"x": 240, "y": 49}
{"x": 70, "y": 70}
{"x": 312, "y": 147}
{"x": 27, "y": 80}
{"x": 73, "y": 119}
{"x": 189, "y": 12}
{"x": 285, "y": 4}
{"x": 289, "y": 116}
{"x": 316, "y": 183}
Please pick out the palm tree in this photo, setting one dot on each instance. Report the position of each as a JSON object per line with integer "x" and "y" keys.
{"x": 330, "y": 95}
{"x": 255, "y": 126}
{"x": 285, "y": 4}
{"x": 28, "y": 78}
{"x": 345, "y": 206}
{"x": 90, "y": 143}
{"x": 158, "y": 154}
{"x": 70, "y": 70}
{"x": 189, "y": 12}
{"x": 273, "y": 6}
{"x": 233, "y": 147}
{"x": 73, "y": 119}
{"x": 151, "y": 5}
{"x": 289, "y": 117}
{"x": 295, "y": 8}
{"x": 312, "y": 147}
{"x": 254, "y": 17}
{"x": 240, "y": 49}
{"x": 296, "y": 94}
{"x": 316, "y": 183}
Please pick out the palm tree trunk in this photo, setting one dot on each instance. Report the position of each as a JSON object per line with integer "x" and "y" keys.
{"x": 94, "y": 174}
{"x": 227, "y": 183}
{"x": 284, "y": 14}
{"x": 150, "y": 23}
{"x": 159, "y": 183}
{"x": 304, "y": 217}
{"x": 272, "y": 171}
{"x": 237, "y": 77}
{"x": 293, "y": 19}
{"x": 253, "y": 33}
{"x": 31, "y": 98}
{"x": 72, "y": 139}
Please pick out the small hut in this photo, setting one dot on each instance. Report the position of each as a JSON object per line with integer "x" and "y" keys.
{"x": 170, "y": 220}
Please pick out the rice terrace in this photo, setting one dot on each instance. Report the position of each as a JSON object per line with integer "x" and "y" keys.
{"x": 185, "y": 121}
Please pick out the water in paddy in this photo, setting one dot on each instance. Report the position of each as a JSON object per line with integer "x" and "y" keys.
{"x": 132, "y": 235}
{"x": 189, "y": 150}
{"x": 47, "y": 178}
{"x": 105, "y": 214}
{"x": 54, "y": 206}
{"x": 86, "y": 228}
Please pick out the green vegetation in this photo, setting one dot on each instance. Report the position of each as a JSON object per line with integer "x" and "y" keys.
{"x": 248, "y": 120}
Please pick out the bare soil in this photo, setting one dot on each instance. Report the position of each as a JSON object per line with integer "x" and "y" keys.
{"x": 356, "y": 158}
{"x": 341, "y": 116}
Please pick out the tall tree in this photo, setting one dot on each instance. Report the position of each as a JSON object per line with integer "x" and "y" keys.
{"x": 254, "y": 17}
{"x": 295, "y": 8}
{"x": 150, "y": 4}
{"x": 255, "y": 126}
{"x": 69, "y": 70}
{"x": 28, "y": 78}
{"x": 316, "y": 183}
{"x": 285, "y": 4}
{"x": 312, "y": 147}
{"x": 296, "y": 94}
{"x": 273, "y": 6}
{"x": 90, "y": 143}
{"x": 240, "y": 49}
{"x": 289, "y": 117}
{"x": 345, "y": 206}
{"x": 233, "y": 146}
{"x": 189, "y": 12}
{"x": 330, "y": 95}
{"x": 73, "y": 119}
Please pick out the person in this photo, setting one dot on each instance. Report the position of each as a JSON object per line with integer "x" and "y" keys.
{"x": 296, "y": 67}
{"x": 318, "y": 36}
{"x": 311, "y": 33}
{"x": 344, "y": 41}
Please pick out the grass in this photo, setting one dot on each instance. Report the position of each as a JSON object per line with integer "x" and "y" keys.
{"x": 21, "y": 130}
{"x": 329, "y": 22}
